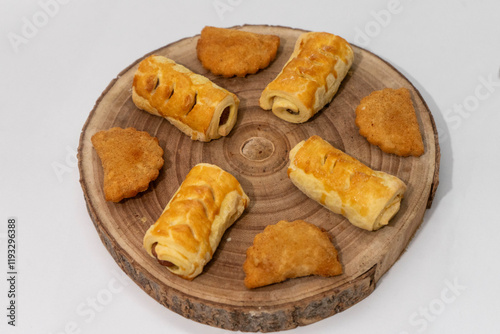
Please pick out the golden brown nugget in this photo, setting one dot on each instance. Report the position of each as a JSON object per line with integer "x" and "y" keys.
{"x": 131, "y": 159}
{"x": 387, "y": 119}
{"x": 230, "y": 52}
{"x": 288, "y": 250}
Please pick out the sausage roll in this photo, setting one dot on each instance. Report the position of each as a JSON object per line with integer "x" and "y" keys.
{"x": 191, "y": 102}
{"x": 344, "y": 185}
{"x": 310, "y": 78}
{"x": 190, "y": 228}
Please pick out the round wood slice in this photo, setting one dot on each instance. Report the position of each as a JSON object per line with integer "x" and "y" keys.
{"x": 256, "y": 153}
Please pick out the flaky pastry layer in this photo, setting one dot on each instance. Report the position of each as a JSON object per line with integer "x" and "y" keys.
{"x": 344, "y": 185}
{"x": 310, "y": 78}
{"x": 188, "y": 232}
{"x": 191, "y": 102}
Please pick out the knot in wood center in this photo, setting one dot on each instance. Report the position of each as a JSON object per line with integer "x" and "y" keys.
{"x": 257, "y": 148}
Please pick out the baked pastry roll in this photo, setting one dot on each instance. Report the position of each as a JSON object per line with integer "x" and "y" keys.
{"x": 191, "y": 102}
{"x": 310, "y": 78}
{"x": 344, "y": 185}
{"x": 190, "y": 228}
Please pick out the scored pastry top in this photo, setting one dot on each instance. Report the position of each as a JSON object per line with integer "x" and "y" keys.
{"x": 190, "y": 101}
{"x": 368, "y": 198}
{"x": 310, "y": 78}
{"x": 188, "y": 231}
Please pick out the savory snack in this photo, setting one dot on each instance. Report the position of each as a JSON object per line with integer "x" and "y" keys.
{"x": 310, "y": 78}
{"x": 387, "y": 119}
{"x": 230, "y": 52}
{"x": 189, "y": 101}
{"x": 131, "y": 159}
{"x": 344, "y": 185}
{"x": 289, "y": 250}
{"x": 189, "y": 230}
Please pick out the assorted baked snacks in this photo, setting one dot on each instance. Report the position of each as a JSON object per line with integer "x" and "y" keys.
{"x": 131, "y": 159}
{"x": 191, "y": 102}
{"x": 288, "y": 250}
{"x": 310, "y": 78}
{"x": 344, "y": 185}
{"x": 387, "y": 119}
{"x": 210, "y": 200}
{"x": 187, "y": 233}
{"x": 232, "y": 52}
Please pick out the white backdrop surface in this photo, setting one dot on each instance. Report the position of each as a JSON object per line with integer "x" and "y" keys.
{"x": 56, "y": 57}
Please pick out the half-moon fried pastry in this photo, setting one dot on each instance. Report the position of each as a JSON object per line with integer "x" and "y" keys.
{"x": 131, "y": 159}
{"x": 288, "y": 250}
{"x": 230, "y": 52}
{"x": 387, "y": 119}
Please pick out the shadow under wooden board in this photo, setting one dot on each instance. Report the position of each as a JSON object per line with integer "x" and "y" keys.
{"x": 218, "y": 296}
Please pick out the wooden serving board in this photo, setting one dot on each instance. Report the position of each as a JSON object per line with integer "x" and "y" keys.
{"x": 256, "y": 153}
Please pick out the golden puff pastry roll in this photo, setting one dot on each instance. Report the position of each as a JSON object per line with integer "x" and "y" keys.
{"x": 344, "y": 185}
{"x": 310, "y": 78}
{"x": 191, "y": 102}
{"x": 190, "y": 228}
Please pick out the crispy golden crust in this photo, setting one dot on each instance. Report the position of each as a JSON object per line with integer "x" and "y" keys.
{"x": 344, "y": 185}
{"x": 191, "y": 102}
{"x": 288, "y": 250}
{"x": 189, "y": 230}
{"x": 131, "y": 159}
{"x": 310, "y": 78}
{"x": 230, "y": 52}
{"x": 387, "y": 119}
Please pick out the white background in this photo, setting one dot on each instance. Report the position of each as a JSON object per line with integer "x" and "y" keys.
{"x": 56, "y": 57}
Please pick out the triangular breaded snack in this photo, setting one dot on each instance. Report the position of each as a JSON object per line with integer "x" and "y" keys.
{"x": 387, "y": 118}
{"x": 288, "y": 250}
{"x": 230, "y": 52}
{"x": 131, "y": 159}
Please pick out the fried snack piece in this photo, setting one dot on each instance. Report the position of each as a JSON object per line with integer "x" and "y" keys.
{"x": 288, "y": 250}
{"x": 131, "y": 159}
{"x": 230, "y": 52}
{"x": 387, "y": 119}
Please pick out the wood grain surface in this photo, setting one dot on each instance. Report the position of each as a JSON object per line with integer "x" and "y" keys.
{"x": 256, "y": 153}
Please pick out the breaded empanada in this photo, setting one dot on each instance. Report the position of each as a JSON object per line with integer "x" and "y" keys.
{"x": 288, "y": 250}
{"x": 131, "y": 159}
{"x": 387, "y": 119}
{"x": 230, "y": 52}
